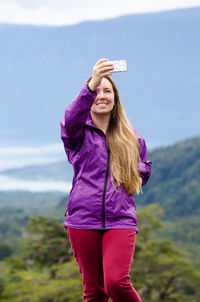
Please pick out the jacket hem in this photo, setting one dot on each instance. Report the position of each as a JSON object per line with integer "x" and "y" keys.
{"x": 81, "y": 226}
{"x": 95, "y": 227}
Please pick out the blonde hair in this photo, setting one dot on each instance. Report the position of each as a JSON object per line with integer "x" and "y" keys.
{"x": 124, "y": 147}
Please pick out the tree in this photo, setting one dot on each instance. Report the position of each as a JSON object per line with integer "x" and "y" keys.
{"x": 159, "y": 270}
{"x": 58, "y": 283}
{"x": 44, "y": 243}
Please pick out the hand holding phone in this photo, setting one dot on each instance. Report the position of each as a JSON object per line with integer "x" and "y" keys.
{"x": 119, "y": 66}
{"x": 105, "y": 67}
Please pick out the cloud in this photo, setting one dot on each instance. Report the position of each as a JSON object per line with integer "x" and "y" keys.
{"x": 62, "y": 12}
{"x": 14, "y": 150}
{"x": 51, "y": 4}
{"x": 11, "y": 184}
{"x": 21, "y": 156}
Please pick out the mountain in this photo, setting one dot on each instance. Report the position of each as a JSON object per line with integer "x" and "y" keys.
{"x": 44, "y": 67}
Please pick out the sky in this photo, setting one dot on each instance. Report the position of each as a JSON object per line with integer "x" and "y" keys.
{"x": 68, "y": 12}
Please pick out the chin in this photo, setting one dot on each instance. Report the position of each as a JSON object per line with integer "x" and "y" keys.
{"x": 102, "y": 112}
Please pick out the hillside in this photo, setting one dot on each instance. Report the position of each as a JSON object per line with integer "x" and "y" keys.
{"x": 174, "y": 183}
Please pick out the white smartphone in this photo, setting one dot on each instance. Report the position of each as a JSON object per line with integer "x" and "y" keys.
{"x": 119, "y": 65}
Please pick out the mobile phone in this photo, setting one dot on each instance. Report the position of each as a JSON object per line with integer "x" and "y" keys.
{"x": 119, "y": 65}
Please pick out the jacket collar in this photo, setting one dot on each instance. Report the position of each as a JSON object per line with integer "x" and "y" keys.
{"x": 89, "y": 121}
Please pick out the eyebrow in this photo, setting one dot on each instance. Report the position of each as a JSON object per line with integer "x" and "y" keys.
{"x": 105, "y": 88}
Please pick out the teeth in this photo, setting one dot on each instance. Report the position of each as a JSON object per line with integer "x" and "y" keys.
{"x": 102, "y": 104}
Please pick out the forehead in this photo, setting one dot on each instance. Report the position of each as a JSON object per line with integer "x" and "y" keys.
{"x": 105, "y": 84}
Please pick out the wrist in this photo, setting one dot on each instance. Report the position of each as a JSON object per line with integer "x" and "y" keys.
{"x": 91, "y": 86}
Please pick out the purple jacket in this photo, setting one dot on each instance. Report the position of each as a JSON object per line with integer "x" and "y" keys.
{"x": 93, "y": 203}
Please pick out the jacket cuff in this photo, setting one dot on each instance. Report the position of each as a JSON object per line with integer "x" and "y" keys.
{"x": 90, "y": 89}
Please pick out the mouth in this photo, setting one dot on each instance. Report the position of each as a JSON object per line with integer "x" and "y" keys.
{"x": 102, "y": 104}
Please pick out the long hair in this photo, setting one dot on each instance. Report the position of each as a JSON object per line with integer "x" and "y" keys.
{"x": 123, "y": 146}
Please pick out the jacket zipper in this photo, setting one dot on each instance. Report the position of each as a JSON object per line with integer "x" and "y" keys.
{"x": 104, "y": 191}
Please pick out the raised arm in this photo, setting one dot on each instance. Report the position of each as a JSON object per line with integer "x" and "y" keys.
{"x": 75, "y": 117}
{"x": 72, "y": 125}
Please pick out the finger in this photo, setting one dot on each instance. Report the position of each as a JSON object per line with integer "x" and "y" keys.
{"x": 105, "y": 69}
{"x": 108, "y": 73}
{"x": 100, "y": 61}
{"x": 106, "y": 64}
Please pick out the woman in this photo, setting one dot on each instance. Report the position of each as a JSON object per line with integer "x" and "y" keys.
{"x": 109, "y": 158}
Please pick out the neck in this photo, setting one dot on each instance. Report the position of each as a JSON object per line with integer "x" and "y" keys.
{"x": 101, "y": 121}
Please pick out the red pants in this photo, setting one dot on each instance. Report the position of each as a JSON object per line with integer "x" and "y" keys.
{"x": 104, "y": 259}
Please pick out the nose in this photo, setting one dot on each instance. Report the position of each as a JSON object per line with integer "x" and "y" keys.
{"x": 100, "y": 95}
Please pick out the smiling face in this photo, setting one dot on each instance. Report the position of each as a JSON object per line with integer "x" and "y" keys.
{"x": 104, "y": 102}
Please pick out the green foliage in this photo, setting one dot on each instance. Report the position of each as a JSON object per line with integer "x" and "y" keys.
{"x": 44, "y": 243}
{"x": 174, "y": 182}
{"x": 22, "y": 205}
{"x": 5, "y": 250}
{"x": 174, "y": 185}
{"x": 58, "y": 283}
{"x": 159, "y": 271}
{"x": 185, "y": 233}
